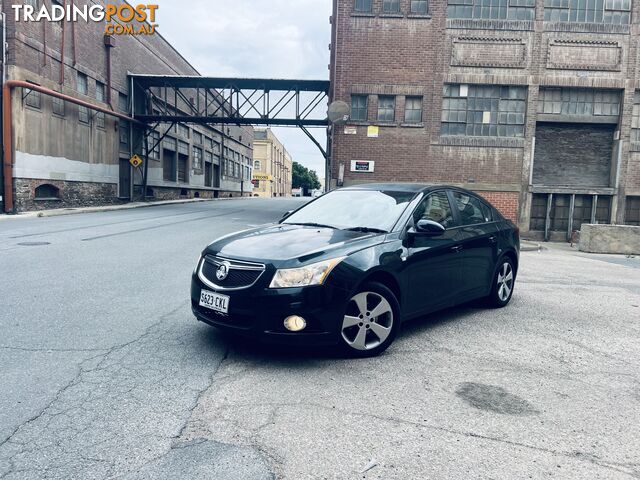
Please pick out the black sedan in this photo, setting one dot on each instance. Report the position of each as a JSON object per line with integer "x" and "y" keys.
{"x": 350, "y": 266}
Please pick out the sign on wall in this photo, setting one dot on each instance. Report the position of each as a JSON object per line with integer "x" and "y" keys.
{"x": 362, "y": 166}
{"x": 373, "y": 131}
{"x": 262, "y": 176}
{"x": 136, "y": 161}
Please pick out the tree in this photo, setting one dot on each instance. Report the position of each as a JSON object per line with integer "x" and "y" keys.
{"x": 305, "y": 178}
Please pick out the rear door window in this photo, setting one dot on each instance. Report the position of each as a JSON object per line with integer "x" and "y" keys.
{"x": 472, "y": 211}
{"x": 487, "y": 212}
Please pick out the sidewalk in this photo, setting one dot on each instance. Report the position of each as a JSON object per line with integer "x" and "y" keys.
{"x": 108, "y": 208}
{"x": 529, "y": 246}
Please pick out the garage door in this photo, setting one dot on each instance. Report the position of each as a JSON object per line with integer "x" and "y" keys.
{"x": 573, "y": 154}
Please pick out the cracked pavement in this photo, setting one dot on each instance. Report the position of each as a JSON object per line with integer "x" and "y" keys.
{"x": 107, "y": 375}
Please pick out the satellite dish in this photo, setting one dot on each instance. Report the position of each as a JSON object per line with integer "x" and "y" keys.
{"x": 339, "y": 112}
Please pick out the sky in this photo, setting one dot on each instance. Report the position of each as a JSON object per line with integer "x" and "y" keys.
{"x": 255, "y": 38}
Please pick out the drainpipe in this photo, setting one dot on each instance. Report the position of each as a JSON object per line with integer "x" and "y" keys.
{"x": 109, "y": 43}
{"x": 7, "y": 131}
{"x": 73, "y": 38}
{"x": 64, "y": 23}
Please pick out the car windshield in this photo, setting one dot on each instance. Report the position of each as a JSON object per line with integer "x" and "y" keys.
{"x": 365, "y": 210}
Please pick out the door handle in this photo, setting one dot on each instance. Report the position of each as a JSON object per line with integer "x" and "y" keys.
{"x": 493, "y": 239}
{"x": 457, "y": 248}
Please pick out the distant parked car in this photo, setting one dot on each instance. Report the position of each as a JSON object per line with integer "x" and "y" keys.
{"x": 347, "y": 268}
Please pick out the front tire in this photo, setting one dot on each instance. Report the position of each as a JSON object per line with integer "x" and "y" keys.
{"x": 503, "y": 284}
{"x": 371, "y": 321}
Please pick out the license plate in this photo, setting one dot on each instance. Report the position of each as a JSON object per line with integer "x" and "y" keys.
{"x": 214, "y": 301}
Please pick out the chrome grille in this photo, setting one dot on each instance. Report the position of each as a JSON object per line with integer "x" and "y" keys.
{"x": 239, "y": 274}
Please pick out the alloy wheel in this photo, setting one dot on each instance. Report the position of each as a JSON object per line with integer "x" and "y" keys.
{"x": 368, "y": 321}
{"x": 505, "y": 282}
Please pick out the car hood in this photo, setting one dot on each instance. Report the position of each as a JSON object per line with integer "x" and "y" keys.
{"x": 284, "y": 243}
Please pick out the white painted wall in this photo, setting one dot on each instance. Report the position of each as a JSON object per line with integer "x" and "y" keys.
{"x": 45, "y": 167}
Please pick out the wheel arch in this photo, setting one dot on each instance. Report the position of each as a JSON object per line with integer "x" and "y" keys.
{"x": 513, "y": 256}
{"x": 385, "y": 278}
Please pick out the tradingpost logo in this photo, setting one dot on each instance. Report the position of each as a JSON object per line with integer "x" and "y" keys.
{"x": 122, "y": 19}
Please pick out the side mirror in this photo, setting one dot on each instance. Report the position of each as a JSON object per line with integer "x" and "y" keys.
{"x": 429, "y": 228}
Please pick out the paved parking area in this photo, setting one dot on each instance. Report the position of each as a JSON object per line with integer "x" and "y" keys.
{"x": 105, "y": 373}
{"x": 546, "y": 388}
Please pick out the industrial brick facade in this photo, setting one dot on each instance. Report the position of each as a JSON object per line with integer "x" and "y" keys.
{"x": 458, "y": 89}
{"x": 76, "y": 150}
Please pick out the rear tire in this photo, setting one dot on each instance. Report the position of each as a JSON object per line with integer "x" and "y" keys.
{"x": 371, "y": 321}
{"x": 502, "y": 284}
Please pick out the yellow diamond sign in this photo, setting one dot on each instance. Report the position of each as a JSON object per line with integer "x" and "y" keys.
{"x": 136, "y": 161}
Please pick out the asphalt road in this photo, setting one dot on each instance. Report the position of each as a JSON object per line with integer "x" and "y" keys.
{"x": 106, "y": 374}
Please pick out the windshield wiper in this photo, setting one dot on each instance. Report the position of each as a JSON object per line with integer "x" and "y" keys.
{"x": 366, "y": 230}
{"x": 310, "y": 224}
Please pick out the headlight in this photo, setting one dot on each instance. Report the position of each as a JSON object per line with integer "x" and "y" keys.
{"x": 314, "y": 274}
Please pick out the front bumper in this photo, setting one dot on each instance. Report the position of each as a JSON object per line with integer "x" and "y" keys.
{"x": 259, "y": 312}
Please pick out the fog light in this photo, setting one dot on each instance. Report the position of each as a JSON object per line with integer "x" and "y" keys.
{"x": 295, "y": 323}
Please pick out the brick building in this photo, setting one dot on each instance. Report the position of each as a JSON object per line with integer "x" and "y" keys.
{"x": 535, "y": 104}
{"x": 272, "y": 166}
{"x": 66, "y": 155}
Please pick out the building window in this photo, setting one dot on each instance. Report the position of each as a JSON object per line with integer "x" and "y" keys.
{"x": 560, "y": 213}
{"x": 197, "y": 138}
{"x": 123, "y": 102}
{"x": 83, "y": 115}
{"x": 153, "y": 143}
{"x": 123, "y": 131}
{"x": 100, "y": 92}
{"x": 100, "y": 96}
{"x": 32, "y": 98}
{"x": 578, "y": 102}
{"x": 386, "y": 109}
{"x": 635, "y": 121}
{"x": 47, "y": 192}
{"x": 413, "y": 110}
{"x": 494, "y": 9}
{"x": 183, "y": 148}
{"x": 58, "y": 106}
{"x": 33, "y": 3}
{"x": 359, "y": 108}
{"x": 257, "y": 165}
{"x": 632, "y": 213}
{"x": 363, "y": 6}
{"x": 420, "y": 7}
{"x": 83, "y": 84}
{"x": 484, "y": 110}
{"x": 391, "y": 6}
{"x": 182, "y": 130}
{"x": 616, "y": 12}
{"x": 197, "y": 158}
{"x": 208, "y": 142}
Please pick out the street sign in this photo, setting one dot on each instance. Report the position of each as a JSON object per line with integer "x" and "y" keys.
{"x": 136, "y": 161}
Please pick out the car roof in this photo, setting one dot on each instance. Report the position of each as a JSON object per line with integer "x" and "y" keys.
{"x": 390, "y": 187}
{"x": 402, "y": 187}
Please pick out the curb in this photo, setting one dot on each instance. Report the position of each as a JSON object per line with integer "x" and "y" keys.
{"x": 111, "y": 208}
{"x": 526, "y": 246}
